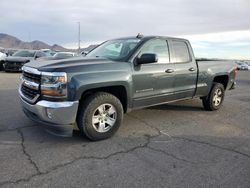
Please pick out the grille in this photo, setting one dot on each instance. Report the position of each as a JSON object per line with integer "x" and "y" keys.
{"x": 28, "y": 92}
{"x": 32, "y": 77}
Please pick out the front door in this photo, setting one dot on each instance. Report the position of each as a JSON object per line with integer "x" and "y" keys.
{"x": 153, "y": 83}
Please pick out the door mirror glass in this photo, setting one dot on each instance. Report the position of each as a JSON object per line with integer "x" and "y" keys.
{"x": 147, "y": 58}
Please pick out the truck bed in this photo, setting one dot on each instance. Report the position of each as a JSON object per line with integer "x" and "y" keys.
{"x": 208, "y": 69}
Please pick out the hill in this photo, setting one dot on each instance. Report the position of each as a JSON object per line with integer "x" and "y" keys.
{"x": 8, "y": 41}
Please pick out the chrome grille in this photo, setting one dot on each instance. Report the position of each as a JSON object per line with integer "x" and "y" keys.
{"x": 28, "y": 92}
{"x": 31, "y": 77}
{"x": 30, "y": 87}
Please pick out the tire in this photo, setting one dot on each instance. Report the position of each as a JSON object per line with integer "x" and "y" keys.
{"x": 99, "y": 116}
{"x": 215, "y": 98}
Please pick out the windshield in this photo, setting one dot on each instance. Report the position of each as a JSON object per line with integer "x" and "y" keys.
{"x": 63, "y": 55}
{"x": 114, "y": 49}
{"x": 24, "y": 54}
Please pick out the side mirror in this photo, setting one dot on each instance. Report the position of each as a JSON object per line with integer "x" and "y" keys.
{"x": 146, "y": 59}
{"x": 84, "y": 53}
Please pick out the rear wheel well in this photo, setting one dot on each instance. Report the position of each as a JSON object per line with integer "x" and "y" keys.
{"x": 118, "y": 91}
{"x": 222, "y": 79}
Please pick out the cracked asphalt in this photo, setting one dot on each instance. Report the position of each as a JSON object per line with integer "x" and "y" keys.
{"x": 173, "y": 145}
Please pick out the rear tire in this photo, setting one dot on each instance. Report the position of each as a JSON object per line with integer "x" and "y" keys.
{"x": 215, "y": 98}
{"x": 99, "y": 116}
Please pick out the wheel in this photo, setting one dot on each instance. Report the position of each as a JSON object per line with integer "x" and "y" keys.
{"x": 215, "y": 98}
{"x": 99, "y": 116}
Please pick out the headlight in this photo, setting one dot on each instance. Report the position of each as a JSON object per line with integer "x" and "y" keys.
{"x": 54, "y": 84}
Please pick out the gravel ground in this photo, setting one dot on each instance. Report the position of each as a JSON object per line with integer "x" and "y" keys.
{"x": 174, "y": 145}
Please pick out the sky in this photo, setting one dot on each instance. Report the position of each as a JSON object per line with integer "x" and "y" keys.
{"x": 216, "y": 28}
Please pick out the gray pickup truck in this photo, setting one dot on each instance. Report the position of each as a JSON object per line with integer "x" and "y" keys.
{"x": 93, "y": 92}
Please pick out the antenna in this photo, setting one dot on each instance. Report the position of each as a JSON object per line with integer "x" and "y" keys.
{"x": 139, "y": 35}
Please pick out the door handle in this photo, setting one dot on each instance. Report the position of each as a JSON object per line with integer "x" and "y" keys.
{"x": 191, "y": 69}
{"x": 169, "y": 71}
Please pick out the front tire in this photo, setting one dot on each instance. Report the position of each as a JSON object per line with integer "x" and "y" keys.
{"x": 99, "y": 116}
{"x": 215, "y": 98}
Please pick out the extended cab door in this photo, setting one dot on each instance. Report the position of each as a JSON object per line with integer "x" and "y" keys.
{"x": 151, "y": 83}
{"x": 185, "y": 78}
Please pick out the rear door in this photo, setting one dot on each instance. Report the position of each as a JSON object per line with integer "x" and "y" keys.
{"x": 151, "y": 83}
{"x": 185, "y": 68}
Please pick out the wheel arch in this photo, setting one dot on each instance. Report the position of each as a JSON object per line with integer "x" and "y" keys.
{"x": 223, "y": 79}
{"x": 117, "y": 90}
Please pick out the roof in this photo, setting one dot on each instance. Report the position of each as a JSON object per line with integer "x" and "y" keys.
{"x": 148, "y": 37}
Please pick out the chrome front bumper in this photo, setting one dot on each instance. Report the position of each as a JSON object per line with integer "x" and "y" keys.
{"x": 58, "y": 117}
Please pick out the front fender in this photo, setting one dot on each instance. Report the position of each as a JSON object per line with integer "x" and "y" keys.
{"x": 86, "y": 81}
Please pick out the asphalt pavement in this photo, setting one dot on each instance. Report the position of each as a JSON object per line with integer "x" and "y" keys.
{"x": 173, "y": 145}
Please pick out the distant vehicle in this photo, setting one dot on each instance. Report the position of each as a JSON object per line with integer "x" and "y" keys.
{"x": 48, "y": 51}
{"x": 248, "y": 63}
{"x": 10, "y": 52}
{"x": 19, "y": 58}
{"x": 64, "y": 55}
{"x": 242, "y": 66}
{"x": 2, "y": 59}
{"x": 59, "y": 55}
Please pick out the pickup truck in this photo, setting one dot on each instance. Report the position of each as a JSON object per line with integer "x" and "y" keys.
{"x": 94, "y": 91}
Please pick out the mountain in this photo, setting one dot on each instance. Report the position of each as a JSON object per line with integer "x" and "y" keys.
{"x": 8, "y": 41}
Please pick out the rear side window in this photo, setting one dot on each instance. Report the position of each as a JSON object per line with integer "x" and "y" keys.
{"x": 158, "y": 47}
{"x": 180, "y": 52}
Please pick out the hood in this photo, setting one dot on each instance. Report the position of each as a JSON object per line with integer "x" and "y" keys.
{"x": 67, "y": 64}
{"x": 18, "y": 59}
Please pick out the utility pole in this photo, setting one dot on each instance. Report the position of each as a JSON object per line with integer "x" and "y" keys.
{"x": 79, "y": 37}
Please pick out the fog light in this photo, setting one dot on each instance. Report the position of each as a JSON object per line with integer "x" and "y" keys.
{"x": 49, "y": 113}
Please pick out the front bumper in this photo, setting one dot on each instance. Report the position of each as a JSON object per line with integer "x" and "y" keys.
{"x": 57, "y": 117}
{"x": 13, "y": 66}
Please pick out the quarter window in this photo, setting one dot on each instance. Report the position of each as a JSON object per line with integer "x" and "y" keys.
{"x": 158, "y": 47}
{"x": 180, "y": 51}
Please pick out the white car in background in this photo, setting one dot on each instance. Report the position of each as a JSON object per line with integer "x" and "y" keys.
{"x": 64, "y": 55}
{"x": 59, "y": 55}
{"x": 48, "y": 52}
{"x": 2, "y": 56}
{"x": 2, "y": 59}
{"x": 242, "y": 66}
{"x": 248, "y": 63}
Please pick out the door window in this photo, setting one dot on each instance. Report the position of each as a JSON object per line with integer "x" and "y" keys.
{"x": 180, "y": 52}
{"x": 158, "y": 47}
